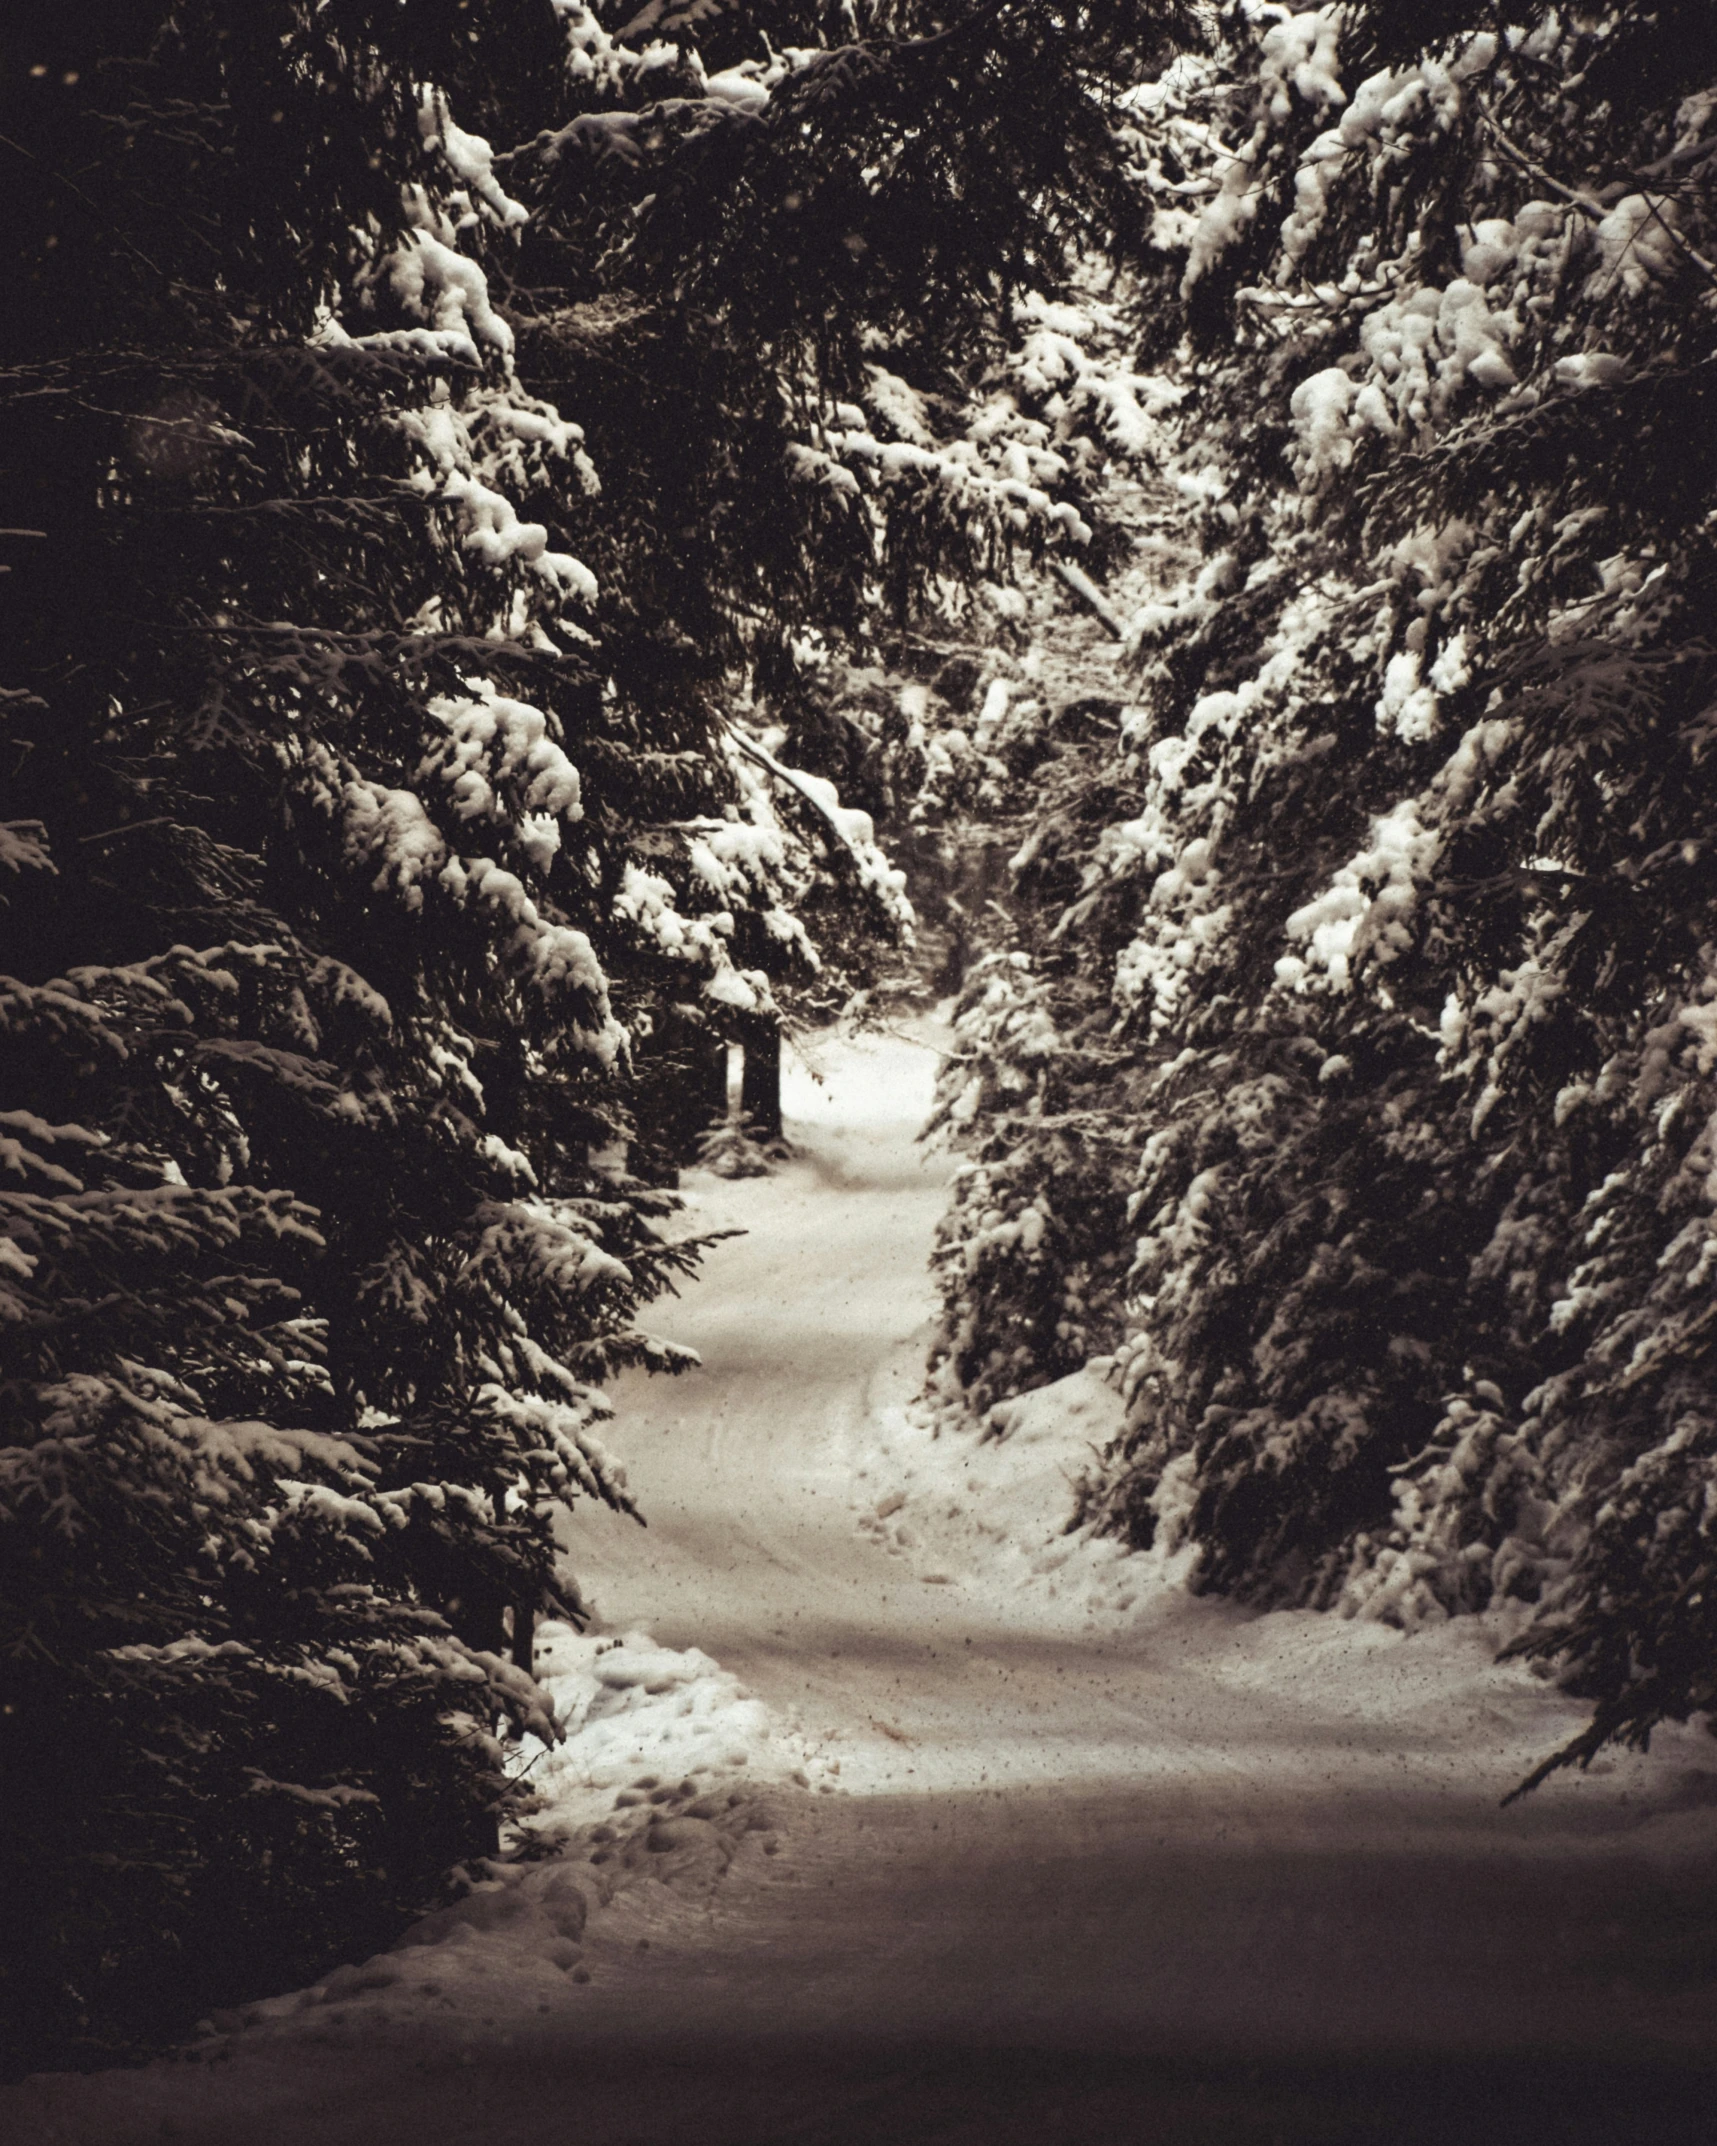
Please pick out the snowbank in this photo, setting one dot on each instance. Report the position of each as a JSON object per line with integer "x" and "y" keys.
{"x": 627, "y": 1704}
{"x": 986, "y": 1506}
{"x": 661, "y": 1785}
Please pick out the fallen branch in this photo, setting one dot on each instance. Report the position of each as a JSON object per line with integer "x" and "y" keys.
{"x": 1090, "y": 595}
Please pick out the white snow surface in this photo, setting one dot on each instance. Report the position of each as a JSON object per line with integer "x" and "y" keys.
{"x": 627, "y": 1704}
{"x": 860, "y": 1727}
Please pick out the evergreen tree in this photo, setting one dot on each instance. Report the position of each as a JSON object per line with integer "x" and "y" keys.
{"x": 1399, "y": 949}
{"x": 395, "y": 806}
{"x": 329, "y": 828}
{"x": 773, "y": 262}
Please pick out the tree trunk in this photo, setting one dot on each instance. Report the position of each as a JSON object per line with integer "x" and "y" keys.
{"x": 524, "y": 1636}
{"x": 760, "y": 1091}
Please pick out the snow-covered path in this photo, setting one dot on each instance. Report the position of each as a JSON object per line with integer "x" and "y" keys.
{"x": 1075, "y": 1857}
{"x": 900, "y": 1656}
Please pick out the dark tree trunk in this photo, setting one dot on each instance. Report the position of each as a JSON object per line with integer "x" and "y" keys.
{"x": 524, "y": 1636}
{"x": 760, "y": 1093}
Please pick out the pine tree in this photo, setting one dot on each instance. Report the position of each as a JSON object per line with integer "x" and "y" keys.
{"x": 322, "y": 814}
{"x": 1404, "y": 933}
{"x": 396, "y": 805}
{"x": 773, "y": 261}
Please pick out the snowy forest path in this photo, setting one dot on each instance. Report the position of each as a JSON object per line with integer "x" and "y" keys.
{"x": 813, "y": 1328}
{"x": 1187, "y": 1876}
{"x": 917, "y": 1674}
{"x": 1096, "y": 1879}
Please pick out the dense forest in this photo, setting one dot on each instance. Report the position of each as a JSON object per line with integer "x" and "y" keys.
{"x": 531, "y": 526}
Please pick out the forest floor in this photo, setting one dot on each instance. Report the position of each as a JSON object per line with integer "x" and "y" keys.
{"x": 891, "y": 1812}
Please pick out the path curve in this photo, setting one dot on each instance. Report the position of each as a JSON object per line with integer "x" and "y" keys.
{"x": 1180, "y": 1876}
